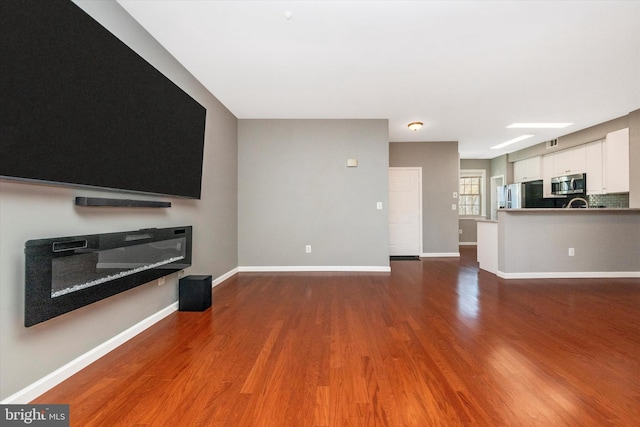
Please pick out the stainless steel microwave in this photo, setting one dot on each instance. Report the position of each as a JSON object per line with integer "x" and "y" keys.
{"x": 569, "y": 184}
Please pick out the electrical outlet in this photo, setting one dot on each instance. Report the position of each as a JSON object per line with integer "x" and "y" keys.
{"x": 572, "y": 251}
{"x": 307, "y": 249}
{"x": 460, "y": 231}
{"x": 161, "y": 281}
{"x": 454, "y": 207}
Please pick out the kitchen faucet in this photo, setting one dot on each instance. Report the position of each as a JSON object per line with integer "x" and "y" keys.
{"x": 586, "y": 204}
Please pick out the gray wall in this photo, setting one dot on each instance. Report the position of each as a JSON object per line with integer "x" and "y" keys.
{"x": 29, "y": 211}
{"x": 481, "y": 164}
{"x": 439, "y": 162}
{"x": 594, "y": 133}
{"x": 468, "y": 226}
{"x": 573, "y": 139}
{"x": 500, "y": 166}
{"x": 468, "y": 231}
{"x": 295, "y": 189}
{"x": 634, "y": 159}
{"x": 535, "y": 242}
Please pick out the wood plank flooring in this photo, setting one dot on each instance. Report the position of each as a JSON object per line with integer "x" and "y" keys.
{"x": 434, "y": 343}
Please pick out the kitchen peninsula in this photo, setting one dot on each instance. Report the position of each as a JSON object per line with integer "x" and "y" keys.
{"x": 561, "y": 243}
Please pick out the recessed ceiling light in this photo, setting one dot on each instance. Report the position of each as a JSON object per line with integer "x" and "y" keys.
{"x": 414, "y": 126}
{"x": 511, "y": 141}
{"x": 538, "y": 125}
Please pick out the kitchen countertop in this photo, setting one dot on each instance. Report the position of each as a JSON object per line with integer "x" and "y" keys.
{"x": 545, "y": 243}
{"x": 571, "y": 210}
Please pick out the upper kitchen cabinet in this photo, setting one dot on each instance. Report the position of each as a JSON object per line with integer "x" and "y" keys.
{"x": 608, "y": 164}
{"x": 527, "y": 169}
{"x": 570, "y": 161}
{"x": 616, "y": 162}
{"x": 595, "y": 172}
{"x": 548, "y": 172}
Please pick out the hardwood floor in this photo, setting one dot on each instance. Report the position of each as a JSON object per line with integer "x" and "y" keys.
{"x": 434, "y": 343}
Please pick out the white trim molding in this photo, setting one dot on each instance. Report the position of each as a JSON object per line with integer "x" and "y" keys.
{"x": 310, "y": 268}
{"x": 420, "y": 213}
{"x": 51, "y": 380}
{"x": 482, "y": 173}
{"x": 440, "y": 254}
{"x": 571, "y": 275}
{"x": 46, "y": 383}
{"x": 224, "y": 277}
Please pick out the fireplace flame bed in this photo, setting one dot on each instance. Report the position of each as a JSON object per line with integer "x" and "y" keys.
{"x": 65, "y": 273}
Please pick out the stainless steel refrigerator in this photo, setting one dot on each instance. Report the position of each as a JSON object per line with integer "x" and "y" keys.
{"x": 524, "y": 195}
{"x": 511, "y": 196}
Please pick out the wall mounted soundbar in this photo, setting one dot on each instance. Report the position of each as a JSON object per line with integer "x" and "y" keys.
{"x": 128, "y": 203}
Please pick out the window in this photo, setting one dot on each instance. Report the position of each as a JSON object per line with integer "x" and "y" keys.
{"x": 471, "y": 193}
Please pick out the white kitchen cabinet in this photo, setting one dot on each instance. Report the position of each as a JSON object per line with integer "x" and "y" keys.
{"x": 487, "y": 249}
{"x": 527, "y": 170}
{"x": 548, "y": 172}
{"x": 570, "y": 161}
{"x": 616, "y": 162}
{"x": 594, "y": 168}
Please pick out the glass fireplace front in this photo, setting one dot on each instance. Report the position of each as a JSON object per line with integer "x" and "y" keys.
{"x": 66, "y": 273}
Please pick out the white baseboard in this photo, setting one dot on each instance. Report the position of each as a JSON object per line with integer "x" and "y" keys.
{"x": 440, "y": 254}
{"x": 44, "y": 384}
{"x": 49, "y": 381}
{"x": 345, "y": 268}
{"x": 570, "y": 275}
{"x": 224, "y": 277}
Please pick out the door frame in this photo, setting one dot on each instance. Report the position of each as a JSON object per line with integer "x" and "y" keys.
{"x": 419, "y": 170}
{"x": 496, "y": 181}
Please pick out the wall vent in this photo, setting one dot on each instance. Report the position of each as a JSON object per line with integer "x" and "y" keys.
{"x": 552, "y": 143}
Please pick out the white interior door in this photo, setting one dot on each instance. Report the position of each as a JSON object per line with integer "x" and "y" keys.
{"x": 405, "y": 211}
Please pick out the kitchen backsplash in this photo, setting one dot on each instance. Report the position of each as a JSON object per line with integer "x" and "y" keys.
{"x": 620, "y": 200}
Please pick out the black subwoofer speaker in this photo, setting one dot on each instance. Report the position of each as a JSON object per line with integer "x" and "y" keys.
{"x": 194, "y": 293}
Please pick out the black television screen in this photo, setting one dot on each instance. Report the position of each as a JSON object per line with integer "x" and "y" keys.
{"x": 80, "y": 107}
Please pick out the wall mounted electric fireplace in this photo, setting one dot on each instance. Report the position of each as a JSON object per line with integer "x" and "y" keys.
{"x": 66, "y": 273}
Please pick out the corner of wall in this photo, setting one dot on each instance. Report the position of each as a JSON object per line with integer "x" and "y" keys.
{"x": 634, "y": 159}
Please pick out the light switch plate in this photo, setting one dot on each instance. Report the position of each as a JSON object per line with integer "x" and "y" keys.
{"x": 454, "y": 207}
{"x": 379, "y": 206}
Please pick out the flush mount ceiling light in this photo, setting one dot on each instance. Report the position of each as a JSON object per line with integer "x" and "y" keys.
{"x": 511, "y": 141}
{"x": 414, "y": 126}
{"x": 538, "y": 125}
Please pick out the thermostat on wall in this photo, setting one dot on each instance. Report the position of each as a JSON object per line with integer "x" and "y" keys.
{"x": 352, "y": 163}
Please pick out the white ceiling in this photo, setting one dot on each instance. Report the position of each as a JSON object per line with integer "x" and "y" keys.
{"x": 467, "y": 69}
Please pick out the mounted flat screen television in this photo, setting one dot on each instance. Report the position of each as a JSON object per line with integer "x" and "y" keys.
{"x": 80, "y": 107}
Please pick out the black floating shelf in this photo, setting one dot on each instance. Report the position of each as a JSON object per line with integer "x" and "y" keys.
{"x": 127, "y": 203}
